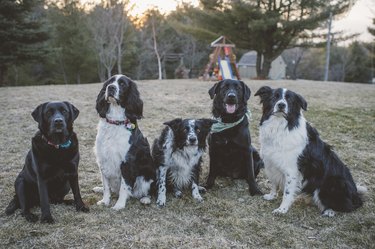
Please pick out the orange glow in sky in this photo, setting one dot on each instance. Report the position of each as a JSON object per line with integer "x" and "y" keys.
{"x": 164, "y": 6}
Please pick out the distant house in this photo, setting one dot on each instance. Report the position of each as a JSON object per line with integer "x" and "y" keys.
{"x": 247, "y": 67}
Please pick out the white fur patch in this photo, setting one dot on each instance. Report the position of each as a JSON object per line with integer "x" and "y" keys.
{"x": 111, "y": 147}
{"x": 280, "y": 149}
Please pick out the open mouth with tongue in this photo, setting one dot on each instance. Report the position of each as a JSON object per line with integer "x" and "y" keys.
{"x": 230, "y": 108}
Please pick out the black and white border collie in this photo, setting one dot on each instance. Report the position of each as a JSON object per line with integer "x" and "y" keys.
{"x": 177, "y": 154}
{"x": 296, "y": 160}
{"x": 122, "y": 153}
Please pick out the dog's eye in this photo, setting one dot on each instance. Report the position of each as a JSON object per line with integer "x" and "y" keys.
{"x": 277, "y": 95}
{"x": 49, "y": 113}
{"x": 197, "y": 130}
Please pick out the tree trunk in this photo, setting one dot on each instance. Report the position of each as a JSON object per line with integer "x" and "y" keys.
{"x": 266, "y": 67}
{"x": 156, "y": 51}
{"x": 259, "y": 64}
{"x": 119, "y": 53}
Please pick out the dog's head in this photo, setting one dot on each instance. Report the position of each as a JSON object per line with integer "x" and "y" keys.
{"x": 230, "y": 97}
{"x": 190, "y": 132}
{"x": 55, "y": 118}
{"x": 281, "y": 102}
{"x": 120, "y": 90}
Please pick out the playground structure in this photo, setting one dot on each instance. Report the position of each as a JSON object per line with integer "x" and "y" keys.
{"x": 222, "y": 63}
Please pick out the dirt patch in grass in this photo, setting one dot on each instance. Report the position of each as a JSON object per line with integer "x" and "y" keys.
{"x": 344, "y": 114}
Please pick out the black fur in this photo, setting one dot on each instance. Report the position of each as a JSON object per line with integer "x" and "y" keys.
{"x": 320, "y": 166}
{"x": 49, "y": 172}
{"x": 138, "y": 160}
{"x": 231, "y": 152}
{"x": 322, "y": 169}
{"x": 184, "y": 135}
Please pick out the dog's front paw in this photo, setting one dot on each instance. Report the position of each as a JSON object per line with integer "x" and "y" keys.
{"x": 198, "y": 199}
{"x": 202, "y": 190}
{"x": 254, "y": 190}
{"x": 269, "y": 197}
{"x": 103, "y": 202}
{"x": 118, "y": 206}
{"x": 31, "y": 217}
{"x": 47, "y": 219}
{"x": 328, "y": 213}
{"x": 146, "y": 200}
{"x": 160, "y": 203}
{"x": 280, "y": 211}
{"x": 82, "y": 208}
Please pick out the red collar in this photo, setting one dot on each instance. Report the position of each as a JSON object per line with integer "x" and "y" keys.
{"x": 128, "y": 125}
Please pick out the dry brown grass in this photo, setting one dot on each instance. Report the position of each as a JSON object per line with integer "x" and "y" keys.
{"x": 343, "y": 113}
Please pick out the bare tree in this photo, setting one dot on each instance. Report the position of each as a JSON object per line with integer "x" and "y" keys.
{"x": 108, "y": 23}
{"x": 156, "y": 46}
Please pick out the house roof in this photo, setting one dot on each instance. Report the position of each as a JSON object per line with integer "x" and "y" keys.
{"x": 248, "y": 59}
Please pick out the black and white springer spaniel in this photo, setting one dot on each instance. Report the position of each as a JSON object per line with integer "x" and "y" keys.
{"x": 122, "y": 153}
{"x": 177, "y": 154}
{"x": 297, "y": 160}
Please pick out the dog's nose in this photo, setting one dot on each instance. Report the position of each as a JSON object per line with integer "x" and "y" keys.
{"x": 281, "y": 106}
{"x": 58, "y": 121}
{"x": 231, "y": 95}
{"x": 192, "y": 140}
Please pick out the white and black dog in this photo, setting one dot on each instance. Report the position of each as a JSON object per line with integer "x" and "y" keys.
{"x": 298, "y": 161}
{"x": 177, "y": 154}
{"x": 122, "y": 153}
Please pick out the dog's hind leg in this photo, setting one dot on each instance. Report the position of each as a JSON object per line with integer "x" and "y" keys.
{"x": 12, "y": 206}
{"x": 124, "y": 194}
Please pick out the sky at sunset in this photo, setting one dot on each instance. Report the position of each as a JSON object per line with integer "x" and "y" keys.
{"x": 355, "y": 21}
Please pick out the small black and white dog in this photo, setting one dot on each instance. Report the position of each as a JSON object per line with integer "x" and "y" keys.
{"x": 51, "y": 166}
{"x": 122, "y": 153}
{"x": 177, "y": 154}
{"x": 230, "y": 149}
{"x": 297, "y": 160}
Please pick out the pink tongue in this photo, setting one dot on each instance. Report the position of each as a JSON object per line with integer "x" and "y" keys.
{"x": 230, "y": 108}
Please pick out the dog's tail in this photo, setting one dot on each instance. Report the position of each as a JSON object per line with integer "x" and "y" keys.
{"x": 12, "y": 206}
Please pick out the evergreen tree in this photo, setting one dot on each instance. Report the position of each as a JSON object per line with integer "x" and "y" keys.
{"x": 268, "y": 27}
{"x": 358, "y": 69}
{"x": 21, "y": 35}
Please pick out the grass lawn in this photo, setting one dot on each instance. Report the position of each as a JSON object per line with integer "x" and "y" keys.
{"x": 343, "y": 113}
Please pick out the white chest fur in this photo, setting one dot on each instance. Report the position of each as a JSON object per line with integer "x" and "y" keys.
{"x": 280, "y": 147}
{"x": 112, "y": 143}
{"x": 180, "y": 162}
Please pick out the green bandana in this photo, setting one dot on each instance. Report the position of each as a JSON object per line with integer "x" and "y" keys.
{"x": 220, "y": 126}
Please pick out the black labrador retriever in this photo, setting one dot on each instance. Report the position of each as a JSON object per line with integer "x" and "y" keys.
{"x": 230, "y": 150}
{"x": 51, "y": 166}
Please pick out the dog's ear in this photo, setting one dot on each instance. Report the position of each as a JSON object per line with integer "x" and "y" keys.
{"x": 102, "y": 105}
{"x": 174, "y": 124}
{"x": 264, "y": 92}
{"x": 133, "y": 104}
{"x": 74, "y": 112}
{"x": 207, "y": 122}
{"x": 246, "y": 91}
{"x": 302, "y": 102}
{"x": 37, "y": 114}
{"x": 214, "y": 89}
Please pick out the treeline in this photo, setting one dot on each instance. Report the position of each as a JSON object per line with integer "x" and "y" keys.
{"x": 65, "y": 42}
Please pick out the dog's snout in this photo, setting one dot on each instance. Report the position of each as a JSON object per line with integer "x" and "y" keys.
{"x": 192, "y": 140}
{"x": 111, "y": 89}
{"x": 281, "y": 106}
{"x": 231, "y": 95}
{"x": 58, "y": 121}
